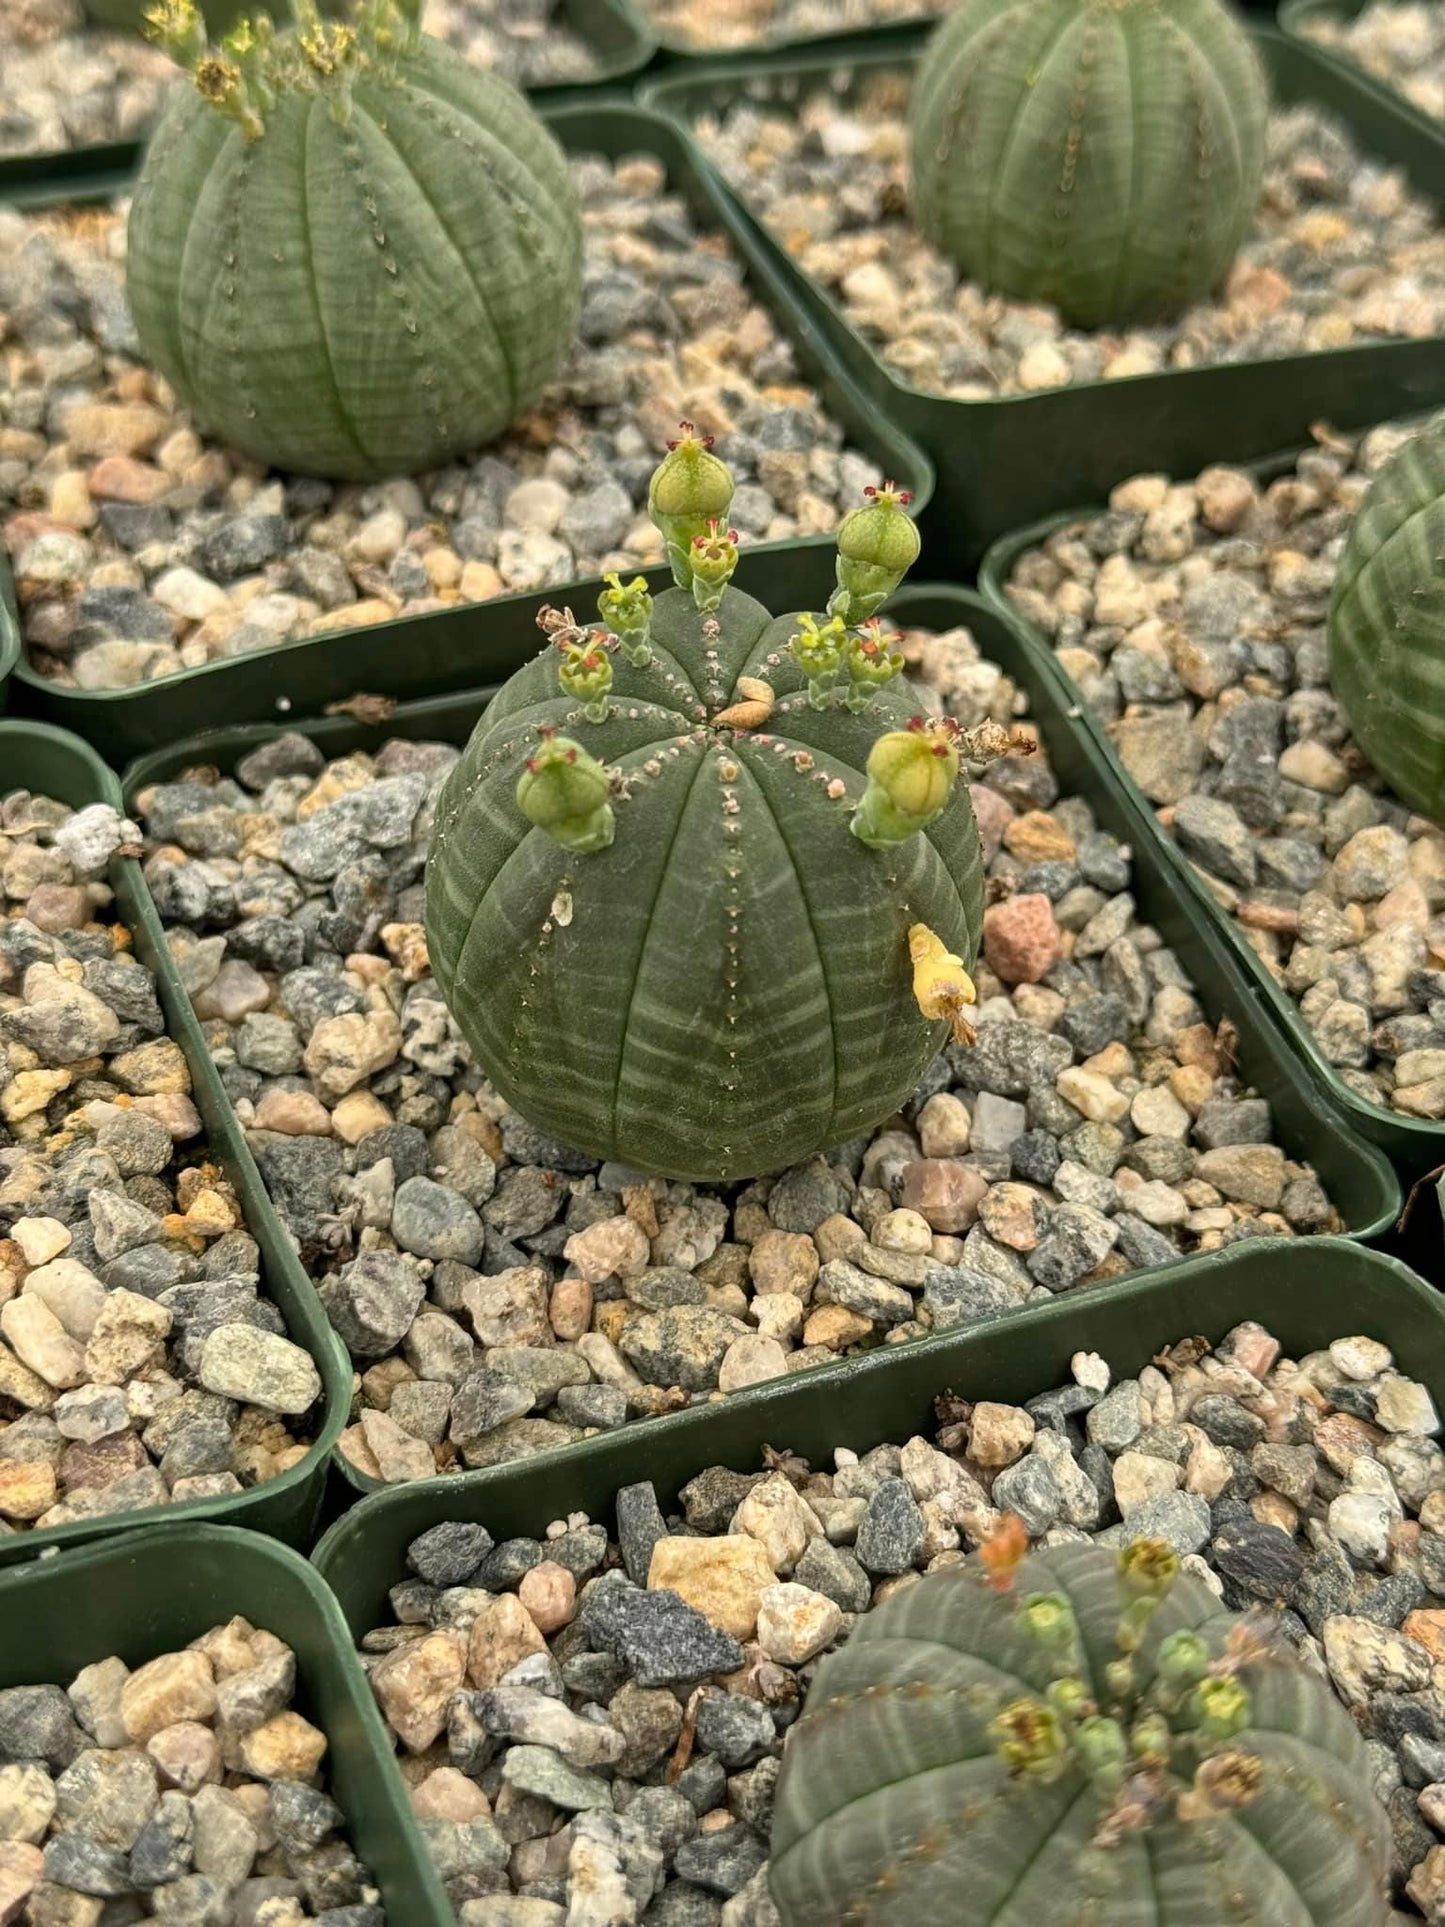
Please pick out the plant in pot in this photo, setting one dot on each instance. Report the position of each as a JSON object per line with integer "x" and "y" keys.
{"x": 1106, "y": 156}
{"x": 1080, "y": 1735}
{"x": 704, "y": 888}
{"x": 350, "y": 252}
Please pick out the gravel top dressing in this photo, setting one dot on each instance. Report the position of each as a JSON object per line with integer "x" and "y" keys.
{"x": 1192, "y": 617}
{"x": 65, "y": 84}
{"x": 139, "y": 1365}
{"x": 139, "y": 549}
{"x": 188, "y": 1790}
{"x": 1404, "y": 45}
{"x": 500, "y": 1293}
{"x": 604, "y": 1708}
{"x": 763, "y": 23}
{"x": 1343, "y": 252}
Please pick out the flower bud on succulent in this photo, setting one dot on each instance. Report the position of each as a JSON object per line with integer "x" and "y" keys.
{"x": 877, "y": 546}
{"x": 1030, "y": 1740}
{"x": 1219, "y": 1708}
{"x": 626, "y": 608}
{"x": 911, "y": 774}
{"x": 873, "y": 662}
{"x": 818, "y": 648}
{"x": 1048, "y": 1618}
{"x": 690, "y": 488}
{"x": 585, "y": 673}
{"x": 714, "y": 558}
{"x": 1182, "y": 1659}
{"x": 1103, "y": 1751}
{"x": 567, "y": 793}
{"x": 1148, "y": 1568}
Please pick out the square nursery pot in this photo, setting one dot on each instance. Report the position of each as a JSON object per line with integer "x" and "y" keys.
{"x": 1297, "y": 17}
{"x": 1416, "y": 1145}
{"x": 1012, "y": 459}
{"x": 482, "y": 642}
{"x": 1305, "y": 1297}
{"x": 153, "y": 1592}
{"x": 36, "y": 757}
{"x": 1357, "y": 1177}
{"x": 618, "y": 35}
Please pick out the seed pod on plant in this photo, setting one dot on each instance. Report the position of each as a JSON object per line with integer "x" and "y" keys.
{"x": 351, "y": 252}
{"x": 1103, "y": 155}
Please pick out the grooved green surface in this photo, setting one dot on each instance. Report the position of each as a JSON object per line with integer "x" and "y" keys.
{"x": 1104, "y": 155}
{"x": 892, "y": 1805}
{"x": 358, "y": 299}
{"x": 1387, "y": 623}
{"x": 619, "y": 1030}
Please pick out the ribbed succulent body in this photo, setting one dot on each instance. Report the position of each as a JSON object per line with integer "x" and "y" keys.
{"x": 1102, "y": 155}
{"x": 1387, "y": 623}
{"x": 351, "y": 252}
{"x": 703, "y": 969}
{"x": 1087, "y": 1739}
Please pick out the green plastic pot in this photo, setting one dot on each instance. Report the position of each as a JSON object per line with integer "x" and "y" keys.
{"x": 421, "y": 655}
{"x": 153, "y": 1592}
{"x": 620, "y": 39}
{"x": 1415, "y": 1144}
{"x": 1295, "y": 17}
{"x": 1357, "y": 1177}
{"x": 1005, "y": 462}
{"x": 1305, "y": 1295}
{"x": 52, "y": 763}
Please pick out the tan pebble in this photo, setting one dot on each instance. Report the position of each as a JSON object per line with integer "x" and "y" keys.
{"x": 448, "y": 1794}
{"x": 570, "y": 1308}
{"x": 723, "y": 1579}
{"x": 549, "y": 1594}
{"x": 187, "y": 1755}
{"x": 503, "y": 1634}
{"x": 177, "y": 1686}
{"x": 836, "y": 1328}
{"x": 287, "y": 1747}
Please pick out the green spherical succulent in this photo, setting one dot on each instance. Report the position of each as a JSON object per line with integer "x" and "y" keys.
{"x": 1103, "y": 155}
{"x": 1081, "y": 1737}
{"x": 1387, "y": 623}
{"x": 351, "y": 253}
{"x": 698, "y": 900}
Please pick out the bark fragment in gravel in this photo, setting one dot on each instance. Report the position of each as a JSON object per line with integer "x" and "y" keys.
{"x": 500, "y": 1293}
{"x": 139, "y": 1364}
{"x": 1343, "y": 253}
{"x": 139, "y": 550}
{"x": 563, "y": 1704}
{"x": 1192, "y": 617}
{"x": 188, "y": 1790}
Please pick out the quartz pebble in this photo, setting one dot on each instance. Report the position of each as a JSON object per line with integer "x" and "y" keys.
{"x": 1401, "y": 44}
{"x": 96, "y": 1783}
{"x": 140, "y": 1363}
{"x": 1214, "y": 684}
{"x": 161, "y": 552}
{"x": 501, "y": 1294}
{"x": 682, "y": 1726}
{"x": 1343, "y": 251}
